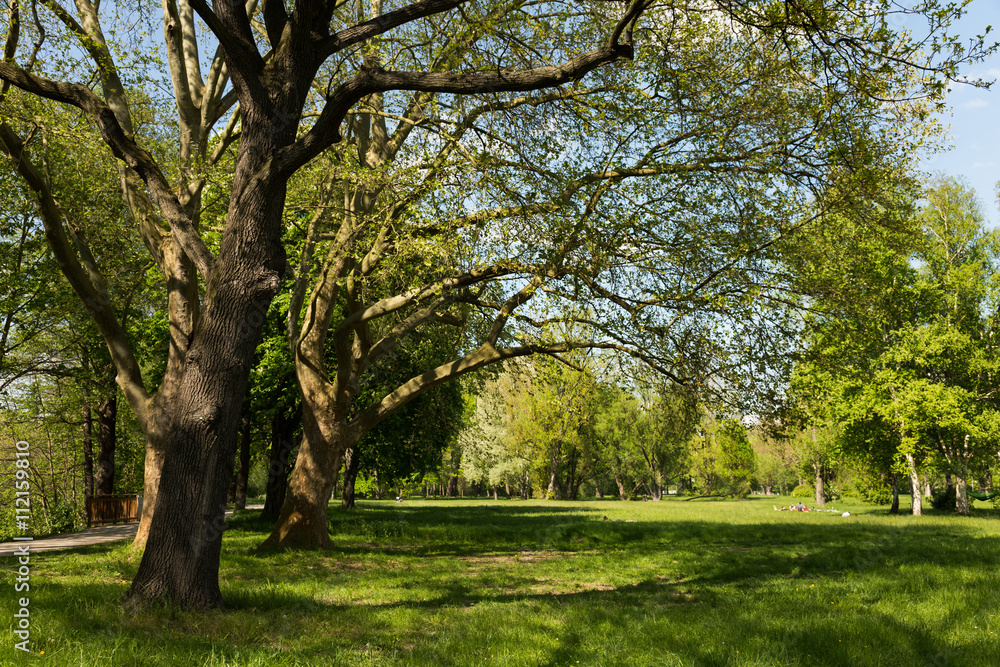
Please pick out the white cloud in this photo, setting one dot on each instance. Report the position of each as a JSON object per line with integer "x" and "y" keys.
{"x": 983, "y": 165}
{"x": 978, "y": 103}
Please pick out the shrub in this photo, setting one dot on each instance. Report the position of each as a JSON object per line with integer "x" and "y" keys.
{"x": 61, "y": 517}
{"x": 872, "y": 489}
{"x": 804, "y": 491}
{"x": 943, "y": 499}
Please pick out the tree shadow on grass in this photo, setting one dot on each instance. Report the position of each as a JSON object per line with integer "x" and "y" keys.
{"x": 709, "y": 588}
{"x": 704, "y": 617}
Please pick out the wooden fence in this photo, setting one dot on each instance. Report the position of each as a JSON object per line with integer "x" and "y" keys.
{"x": 113, "y": 509}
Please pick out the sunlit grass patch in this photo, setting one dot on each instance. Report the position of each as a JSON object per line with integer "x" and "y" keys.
{"x": 471, "y": 582}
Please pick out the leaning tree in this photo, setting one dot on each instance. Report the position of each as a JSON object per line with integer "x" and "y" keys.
{"x": 830, "y": 83}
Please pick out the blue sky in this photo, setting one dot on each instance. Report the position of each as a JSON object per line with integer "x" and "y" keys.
{"x": 974, "y": 117}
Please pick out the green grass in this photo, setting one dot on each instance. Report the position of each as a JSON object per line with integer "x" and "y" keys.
{"x": 476, "y": 582}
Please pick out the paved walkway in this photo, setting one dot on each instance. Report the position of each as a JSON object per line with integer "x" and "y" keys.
{"x": 84, "y": 538}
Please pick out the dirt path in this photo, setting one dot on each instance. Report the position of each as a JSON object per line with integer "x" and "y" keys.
{"x": 83, "y": 538}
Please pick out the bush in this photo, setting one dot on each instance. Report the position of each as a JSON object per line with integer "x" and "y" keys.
{"x": 61, "y": 518}
{"x": 943, "y": 499}
{"x": 831, "y": 493}
{"x": 804, "y": 491}
{"x": 873, "y": 490}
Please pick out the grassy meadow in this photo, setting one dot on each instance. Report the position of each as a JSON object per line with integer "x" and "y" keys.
{"x": 477, "y": 582}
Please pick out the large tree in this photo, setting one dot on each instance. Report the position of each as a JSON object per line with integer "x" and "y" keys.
{"x": 808, "y": 106}
{"x": 192, "y": 419}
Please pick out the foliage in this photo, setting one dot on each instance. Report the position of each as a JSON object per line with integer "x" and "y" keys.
{"x": 901, "y": 359}
{"x": 871, "y": 488}
{"x": 737, "y": 460}
{"x": 943, "y": 498}
{"x": 804, "y": 491}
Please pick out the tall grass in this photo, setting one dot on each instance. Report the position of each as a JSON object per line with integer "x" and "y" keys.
{"x": 546, "y": 583}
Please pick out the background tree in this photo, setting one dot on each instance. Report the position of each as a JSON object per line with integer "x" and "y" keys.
{"x": 902, "y": 351}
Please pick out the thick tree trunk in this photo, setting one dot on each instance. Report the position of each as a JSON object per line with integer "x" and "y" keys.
{"x": 303, "y": 519}
{"x": 152, "y": 470}
{"x": 197, "y": 409}
{"x": 918, "y": 507}
{"x": 820, "y": 492}
{"x": 181, "y": 559}
{"x": 622, "y": 493}
{"x": 107, "y": 420}
{"x": 243, "y": 468}
{"x": 961, "y": 495}
{"x": 351, "y": 466}
{"x": 452, "y": 490}
{"x": 656, "y": 493}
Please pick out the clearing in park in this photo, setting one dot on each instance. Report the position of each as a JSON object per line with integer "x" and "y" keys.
{"x": 476, "y": 582}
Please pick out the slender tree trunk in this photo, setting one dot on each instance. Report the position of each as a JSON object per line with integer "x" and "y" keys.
{"x": 911, "y": 464}
{"x": 351, "y": 466}
{"x": 107, "y": 419}
{"x": 961, "y": 488}
{"x": 894, "y": 508}
{"x": 243, "y": 471}
{"x": 88, "y": 453}
{"x": 282, "y": 443}
{"x": 553, "y": 490}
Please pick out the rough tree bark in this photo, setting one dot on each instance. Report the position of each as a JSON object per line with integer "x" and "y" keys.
{"x": 242, "y": 476}
{"x": 820, "y": 493}
{"x": 107, "y": 439}
{"x": 279, "y": 467}
{"x": 351, "y": 467}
